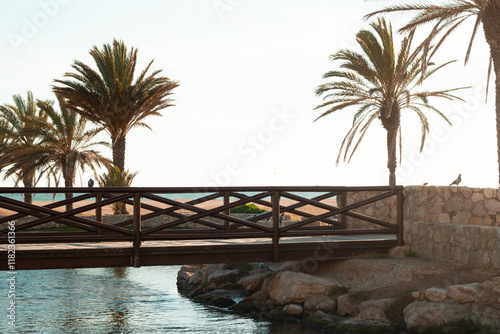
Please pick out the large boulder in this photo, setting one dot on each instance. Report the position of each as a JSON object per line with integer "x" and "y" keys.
{"x": 346, "y": 307}
{"x": 295, "y": 287}
{"x": 293, "y": 310}
{"x": 218, "y": 298}
{"x": 435, "y": 295}
{"x": 256, "y": 302}
{"x": 384, "y": 304}
{"x": 462, "y": 293}
{"x": 427, "y": 316}
{"x": 221, "y": 276}
{"x": 253, "y": 282}
{"x": 320, "y": 303}
{"x": 186, "y": 272}
{"x": 371, "y": 317}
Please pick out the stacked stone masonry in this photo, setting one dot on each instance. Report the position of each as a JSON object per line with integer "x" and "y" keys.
{"x": 456, "y": 224}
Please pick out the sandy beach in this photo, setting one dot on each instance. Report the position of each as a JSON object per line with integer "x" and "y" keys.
{"x": 107, "y": 210}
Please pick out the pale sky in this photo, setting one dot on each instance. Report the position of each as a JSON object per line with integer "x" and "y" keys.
{"x": 248, "y": 70}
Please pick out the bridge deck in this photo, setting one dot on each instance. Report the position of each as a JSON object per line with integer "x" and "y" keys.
{"x": 117, "y": 254}
{"x": 165, "y": 229}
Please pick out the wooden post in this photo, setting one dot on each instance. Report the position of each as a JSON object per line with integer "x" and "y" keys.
{"x": 98, "y": 213}
{"x": 226, "y": 212}
{"x": 343, "y": 202}
{"x": 137, "y": 230}
{"x": 400, "y": 219}
{"x": 276, "y": 225}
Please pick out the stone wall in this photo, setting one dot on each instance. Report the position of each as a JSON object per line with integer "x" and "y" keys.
{"x": 456, "y": 224}
{"x": 457, "y": 205}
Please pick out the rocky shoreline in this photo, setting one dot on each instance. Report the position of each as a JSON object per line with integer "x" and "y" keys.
{"x": 353, "y": 296}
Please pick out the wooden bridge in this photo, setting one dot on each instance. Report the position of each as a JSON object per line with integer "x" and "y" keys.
{"x": 193, "y": 225}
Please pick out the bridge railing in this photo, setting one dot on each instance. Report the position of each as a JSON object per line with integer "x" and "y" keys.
{"x": 194, "y": 214}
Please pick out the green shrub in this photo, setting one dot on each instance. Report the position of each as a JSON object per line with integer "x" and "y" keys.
{"x": 247, "y": 208}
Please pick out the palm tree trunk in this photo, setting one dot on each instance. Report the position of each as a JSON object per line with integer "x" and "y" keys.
{"x": 119, "y": 161}
{"x": 28, "y": 183}
{"x": 391, "y": 154}
{"x": 491, "y": 26}
{"x": 119, "y": 152}
{"x": 497, "y": 108}
{"x": 68, "y": 183}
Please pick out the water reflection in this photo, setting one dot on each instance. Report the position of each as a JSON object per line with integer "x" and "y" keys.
{"x": 118, "y": 300}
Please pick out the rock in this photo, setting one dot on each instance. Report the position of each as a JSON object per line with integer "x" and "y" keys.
{"x": 324, "y": 316}
{"x": 435, "y": 295}
{"x": 288, "y": 287}
{"x": 320, "y": 303}
{"x": 293, "y": 309}
{"x": 291, "y": 266}
{"x": 495, "y": 284}
{"x": 382, "y": 304}
{"x": 489, "y": 193}
{"x": 196, "y": 277}
{"x": 345, "y": 307}
{"x": 255, "y": 302}
{"x": 427, "y": 316}
{"x": 418, "y": 295}
{"x": 397, "y": 252}
{"x": 216, "y": 298}
{"x": 492, "y": 206}
{"x": 476, "y": 197}
{"x": 208, "y": 270}
{"x": 462, "y": 293}
{"x": 186, "y": 272}
{"x": 222, "y": 276}
{"x": 254, "y": 282}
{"x": 371, "y": 317}
{"x": 277, "y": 314}
{"x": 454, "y": 204}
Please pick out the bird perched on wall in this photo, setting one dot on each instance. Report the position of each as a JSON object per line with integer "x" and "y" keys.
{"x": 457, "y": 181}
{"x": 91, "y": 183}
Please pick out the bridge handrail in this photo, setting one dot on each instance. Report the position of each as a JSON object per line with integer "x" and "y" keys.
{"x": 333, "y": 221}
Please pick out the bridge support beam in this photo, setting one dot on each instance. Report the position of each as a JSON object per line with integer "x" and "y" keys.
{"x": 137, "y": 230}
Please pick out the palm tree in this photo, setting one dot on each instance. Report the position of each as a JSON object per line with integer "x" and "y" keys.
{"x": 64, "y": 147}
{"x": 5, "y": 130}
{"x": 447, "y": 17}
{"x": 111, "y": 98}
{"x": 13, "y": 118}
{"x": 382, "y": 85}
{"x": 116, "y": 178}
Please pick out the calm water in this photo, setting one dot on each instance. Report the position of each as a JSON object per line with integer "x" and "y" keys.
{"x": 117, "y": 300}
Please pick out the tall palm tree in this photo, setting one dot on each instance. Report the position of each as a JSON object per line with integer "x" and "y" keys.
{"x": 447, "y": 17}
{"x": 65, "y": 145}
{"x": 111, "y": 98}
{"x": 16, "y": 141}
{"x": 381, "y": 85}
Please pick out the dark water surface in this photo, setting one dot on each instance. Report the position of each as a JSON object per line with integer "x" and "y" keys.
{"x": 117, "y": 300}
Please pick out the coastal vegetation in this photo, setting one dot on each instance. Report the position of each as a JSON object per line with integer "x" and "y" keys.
{"x": 64, "y": 145}
{"x": 247, "y": 208}
{"x": 382, "y": 85}
{"x": 116, "y": 178}
{"x": 37, "y": 140}
{"x": 111, "y": 98}
{"x": 14, "y": 121}
{"x": 447, "y": 17}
